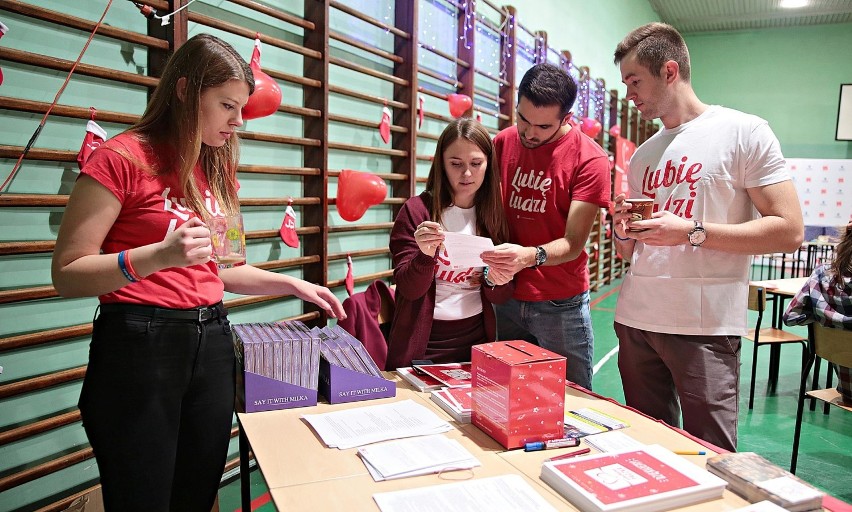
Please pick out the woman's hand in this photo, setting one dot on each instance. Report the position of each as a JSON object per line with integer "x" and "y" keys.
{"x": 187, "y": 245}
{"x": 429, "y": 237}
{"x": 322, "y": 297}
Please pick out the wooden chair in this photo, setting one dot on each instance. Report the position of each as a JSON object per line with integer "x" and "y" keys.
{"x": 767, "y": 336}
{"x": 835, "y": 346}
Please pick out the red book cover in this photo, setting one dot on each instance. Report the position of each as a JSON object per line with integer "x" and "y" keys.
{"x": 452, "y": 375}
{"x": 646, "y": 479}
{"x": 625, "y": 476}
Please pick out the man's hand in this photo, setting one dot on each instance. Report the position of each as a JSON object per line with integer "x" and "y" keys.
{"x": 506, "y": 260}
{"x": 664, "y": 229}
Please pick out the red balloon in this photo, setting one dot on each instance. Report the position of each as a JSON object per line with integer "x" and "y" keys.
{"x": 459, "y": 104}
{"x": 591, "y": 127}
{"x": 357, "y": 191}
{"x": 266, "y": 97}
{"x": 615, "y": 130}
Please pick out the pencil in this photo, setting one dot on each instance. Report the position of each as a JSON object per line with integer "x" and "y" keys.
{"x": 570, "y": 454}
{"x": 690, "y": 452}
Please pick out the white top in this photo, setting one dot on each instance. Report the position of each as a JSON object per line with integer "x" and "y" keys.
{"x": 455, "y": 297}
{"x": 700, "y": 170}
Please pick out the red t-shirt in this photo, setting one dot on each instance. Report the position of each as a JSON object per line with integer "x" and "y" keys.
{"x": 538, "y": 187}
{"x": 151, "y": 207}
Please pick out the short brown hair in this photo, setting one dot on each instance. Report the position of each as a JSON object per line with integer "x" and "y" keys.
{"x": 655, "y": 44}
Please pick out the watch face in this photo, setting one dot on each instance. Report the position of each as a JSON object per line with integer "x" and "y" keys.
{"x": 697, "y": 237}
{"x": 540, "y": 256}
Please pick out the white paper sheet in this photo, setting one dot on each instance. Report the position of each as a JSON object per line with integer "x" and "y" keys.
{"x": 415, "y": 456}
{"x": 464, "y": 250}
{"x": 370, "y": 424}
{"x": 505, "y": 493}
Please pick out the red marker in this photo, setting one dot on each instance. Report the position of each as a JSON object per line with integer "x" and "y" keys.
{"x": 571, "y": 454}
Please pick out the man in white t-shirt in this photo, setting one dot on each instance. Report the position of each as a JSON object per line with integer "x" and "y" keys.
{"x": 721, "y": 192}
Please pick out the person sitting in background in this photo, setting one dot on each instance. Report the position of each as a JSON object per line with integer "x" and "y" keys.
{"x": 442, "y": 311}
{"x": 827, "y": 298}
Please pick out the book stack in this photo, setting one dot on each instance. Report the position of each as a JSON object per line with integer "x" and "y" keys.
{"x": 280, "y": 363}
{"x": 755, "y": 479}
{"x": 342, "y": 349}
{"x": 427, "y": 377}
{"x": 647, "y": 479}
{"x": 280, "y": 352}
{"x": 455, "y": 401}
{"x": 347, "y": 372}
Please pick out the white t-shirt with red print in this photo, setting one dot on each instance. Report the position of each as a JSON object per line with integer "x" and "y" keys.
{"x": 701, "y": 170}
{"x": 539, "y": 186}
{"x": 152, "y": 206}
{"x": 455, "y": 296}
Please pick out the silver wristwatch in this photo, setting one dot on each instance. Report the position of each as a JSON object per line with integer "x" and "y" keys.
{"x": 698, "y": 235}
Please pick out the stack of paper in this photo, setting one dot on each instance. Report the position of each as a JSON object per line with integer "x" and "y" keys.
{"x": 415, "y": 456}
{"x": 506, "y": 493}
{"x": 364, "y": 425}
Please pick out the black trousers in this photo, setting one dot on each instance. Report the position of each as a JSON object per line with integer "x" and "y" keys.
{"x": 157, "y": 406}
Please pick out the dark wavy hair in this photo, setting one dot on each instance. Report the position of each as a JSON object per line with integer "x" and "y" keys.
{"x": 545, "y": 85}
{"x": 490, "y": 217}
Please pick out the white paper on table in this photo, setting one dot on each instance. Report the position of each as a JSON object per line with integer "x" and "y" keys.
{"x": 415, "y": 456}
{"x": 464, "y": 250}
{"x": 370, "y": 424}
{"x": 505, "y": 493}
{"x": 612, "y": 441}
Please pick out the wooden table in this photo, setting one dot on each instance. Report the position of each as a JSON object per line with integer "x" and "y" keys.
{"x": 302, "y": 474}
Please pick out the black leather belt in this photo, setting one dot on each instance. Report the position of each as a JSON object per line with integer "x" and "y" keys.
{"x": 190, "y": 315}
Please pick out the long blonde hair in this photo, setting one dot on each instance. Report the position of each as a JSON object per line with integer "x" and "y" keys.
{"x": 173, "y": 125}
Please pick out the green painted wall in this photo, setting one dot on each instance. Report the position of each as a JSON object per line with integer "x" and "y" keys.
{"x": 791, "y": 77}
{"x": 589, "y": 30}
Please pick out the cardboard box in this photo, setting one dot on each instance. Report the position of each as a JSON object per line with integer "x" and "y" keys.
{"x": 518, "y": 392}
{"x": 340, "y": 385}
{"x": 272, "y": 373}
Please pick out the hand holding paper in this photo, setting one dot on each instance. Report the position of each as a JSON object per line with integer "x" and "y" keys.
{"x": 429, "y": 237}
{"x": 464, "y": 250}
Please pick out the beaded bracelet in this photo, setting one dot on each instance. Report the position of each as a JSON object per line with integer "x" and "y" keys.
{"x": 122, "y": 264}
{"x": 485, "y": 279}
{"x": 615, "y": 234}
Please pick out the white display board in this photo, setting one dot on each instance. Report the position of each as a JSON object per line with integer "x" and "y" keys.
{"x": 825, "y": 190}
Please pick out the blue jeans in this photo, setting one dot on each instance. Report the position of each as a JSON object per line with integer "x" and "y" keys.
{"x": 563, "y": 326}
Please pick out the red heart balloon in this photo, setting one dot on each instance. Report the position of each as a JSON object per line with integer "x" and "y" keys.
{"x": 459, "y": 104}
{"x": 591, "y": 127}
{"x": 615, "y": 131}
{"x": 266, "y": 97}
{"x": 357, "y": 191}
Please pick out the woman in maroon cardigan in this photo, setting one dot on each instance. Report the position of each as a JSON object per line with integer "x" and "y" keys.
{"x": 442, "y": 311}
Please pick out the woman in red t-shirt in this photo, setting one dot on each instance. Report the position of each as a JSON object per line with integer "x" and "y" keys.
{"x": 157, "y": 399}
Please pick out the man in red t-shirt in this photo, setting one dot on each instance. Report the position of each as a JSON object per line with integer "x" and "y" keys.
{"x": 555, "y": 180}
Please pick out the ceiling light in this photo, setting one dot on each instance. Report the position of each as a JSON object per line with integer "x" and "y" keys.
{"x": 793, "y": 4}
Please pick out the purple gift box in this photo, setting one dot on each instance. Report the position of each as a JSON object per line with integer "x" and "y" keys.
{"x": 266, "y": 394}
{"x": 340, "y": 385}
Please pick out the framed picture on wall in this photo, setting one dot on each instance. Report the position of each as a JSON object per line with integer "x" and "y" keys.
{"x": 844, "y": 113}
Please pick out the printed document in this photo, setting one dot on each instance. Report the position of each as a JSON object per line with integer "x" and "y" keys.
{"x": 370, "y": 424}
{"x": 464, "y": 250}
